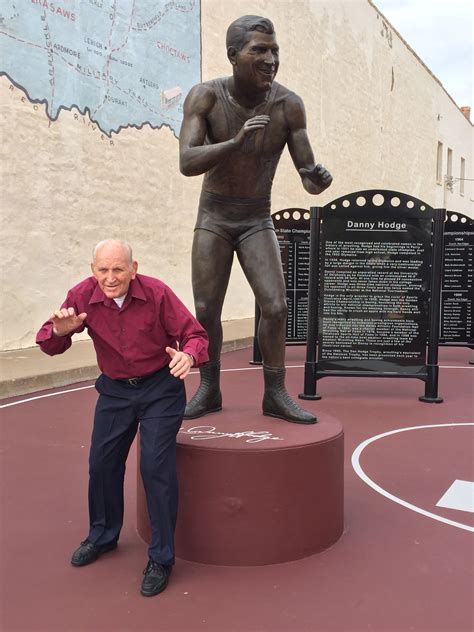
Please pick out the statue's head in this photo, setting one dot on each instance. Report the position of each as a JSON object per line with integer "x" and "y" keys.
{"x": 240, "y": 30}
{"x": 253, "y": 51}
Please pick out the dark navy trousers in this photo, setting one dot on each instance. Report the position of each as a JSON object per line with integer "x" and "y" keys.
{"x": 156, "y": 405}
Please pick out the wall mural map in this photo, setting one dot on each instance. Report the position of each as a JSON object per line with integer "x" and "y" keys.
{"x": 125, "y": 63}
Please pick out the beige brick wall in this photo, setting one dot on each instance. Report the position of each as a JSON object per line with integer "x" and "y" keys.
{"x": 375, "y": 115}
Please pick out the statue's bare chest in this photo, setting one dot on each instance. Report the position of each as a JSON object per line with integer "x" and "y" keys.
{"x": 225, "y": 120}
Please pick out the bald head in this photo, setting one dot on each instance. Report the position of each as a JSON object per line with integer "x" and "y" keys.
{"x": 113, "y": 267}
{"x": 113, "y": 244}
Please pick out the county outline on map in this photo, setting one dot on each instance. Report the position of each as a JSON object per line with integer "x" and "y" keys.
{"x": 124, "y": 63}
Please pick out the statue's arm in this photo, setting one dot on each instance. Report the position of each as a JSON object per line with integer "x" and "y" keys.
{"x": 315, "y": 178}
{"x": 195, "y": 157}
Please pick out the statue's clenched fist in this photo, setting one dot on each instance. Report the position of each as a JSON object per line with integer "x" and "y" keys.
{"x": 316, "y": 179}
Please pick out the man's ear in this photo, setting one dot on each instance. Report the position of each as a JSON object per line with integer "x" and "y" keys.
{"x": 135, "y": 268}
{"x": 232, "y": 54}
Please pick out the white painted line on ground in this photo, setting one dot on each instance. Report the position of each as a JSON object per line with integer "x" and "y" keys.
{"x": 459, "y": 496}
{"x": 445, "y": 366}
{"x": 360, "y": 472}
{"x": 247, "y": 368}
{"x": 32, "y": 399}
{"x": 259, "y": 367}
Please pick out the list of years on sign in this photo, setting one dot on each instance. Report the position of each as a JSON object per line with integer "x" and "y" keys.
{"x": 373, "y": 281}
{"x": 294, "y": 242}
{"x": 458, "y": 287}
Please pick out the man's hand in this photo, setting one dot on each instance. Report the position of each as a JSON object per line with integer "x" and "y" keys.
{"x": 315, "y": 180}
{"x": 65, "y": 321}
{"x": 252, "y": 125}
{"x": 180, "y": 364}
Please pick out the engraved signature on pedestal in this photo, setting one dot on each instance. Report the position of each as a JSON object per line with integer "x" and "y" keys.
{"x": 204, "y": 433}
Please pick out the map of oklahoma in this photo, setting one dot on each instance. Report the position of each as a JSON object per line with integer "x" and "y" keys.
{"x": 124, "y": 63}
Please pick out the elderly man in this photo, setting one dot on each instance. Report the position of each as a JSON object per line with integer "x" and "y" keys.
{"x": 146, "y": 341}
{"x": 234, "y": 131}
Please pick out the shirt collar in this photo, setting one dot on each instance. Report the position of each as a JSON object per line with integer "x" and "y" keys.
{"x": 135, "y": 290}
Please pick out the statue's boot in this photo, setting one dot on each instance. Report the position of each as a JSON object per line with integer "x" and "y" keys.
{"x": 208, "y": 398}
{"x": 277, "y": 402}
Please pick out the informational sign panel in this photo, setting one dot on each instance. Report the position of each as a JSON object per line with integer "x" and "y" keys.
{"x": 374, "y": 289}
{"x": 293, "y": 234}
{"x": 457, "y": 293}
{"x": 374, "y": 281}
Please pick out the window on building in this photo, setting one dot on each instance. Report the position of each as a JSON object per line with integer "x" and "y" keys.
{"x": 449, "y": 169}
{"x": 449, "y": 165}
{"x": 462, "y": 176}
{"x": 439, "y": 164}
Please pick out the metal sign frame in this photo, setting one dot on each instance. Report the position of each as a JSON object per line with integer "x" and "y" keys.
{"x": 381, "y": 205}
{"x": 457, "y": 285}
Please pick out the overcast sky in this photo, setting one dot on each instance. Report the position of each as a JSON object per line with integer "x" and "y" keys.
{"x": 441, "y": 34}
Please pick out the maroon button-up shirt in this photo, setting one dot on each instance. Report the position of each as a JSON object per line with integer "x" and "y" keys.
{"x": 130, "y": 341}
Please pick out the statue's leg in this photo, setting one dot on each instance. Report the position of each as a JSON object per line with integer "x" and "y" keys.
{"x": 212, "y": 257}
{"x": 259, "y": 256}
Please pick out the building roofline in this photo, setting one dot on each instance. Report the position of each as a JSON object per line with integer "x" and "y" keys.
{"x": 430, "y": 72}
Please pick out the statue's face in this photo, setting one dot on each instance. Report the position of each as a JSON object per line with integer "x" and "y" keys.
{"x": 257, "y": 62}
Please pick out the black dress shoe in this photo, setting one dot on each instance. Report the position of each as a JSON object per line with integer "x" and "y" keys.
{"x": 156, "y": 578}
{"x": 89, "y": 552}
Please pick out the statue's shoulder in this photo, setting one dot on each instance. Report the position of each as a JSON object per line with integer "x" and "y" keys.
{"x": 209, "y": 90}
{"x": 202, "y": 96}
{"x": 292, "y": 103}
{"x": 282, "y": 93}
{"x": 213, "y": 86}
{"x": 216, "y": 84}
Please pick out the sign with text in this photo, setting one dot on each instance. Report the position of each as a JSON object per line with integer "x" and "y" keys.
{"x": 374, "y": 291}
{"x": 293, "y": 235}
{"x": 457, "y": 293}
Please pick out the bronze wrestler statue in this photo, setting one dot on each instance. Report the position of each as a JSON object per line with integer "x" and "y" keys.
{"x": 234, "y": 131}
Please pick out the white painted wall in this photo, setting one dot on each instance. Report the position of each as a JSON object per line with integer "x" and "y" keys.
{"x": 375, "y": 115}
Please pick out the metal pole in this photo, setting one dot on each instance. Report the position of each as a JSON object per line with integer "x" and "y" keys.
{"x": 310, "y": 367}
{"x": 431, "y": 384}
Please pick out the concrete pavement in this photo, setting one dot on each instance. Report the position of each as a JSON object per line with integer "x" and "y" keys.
{"x": 28, "y": 370}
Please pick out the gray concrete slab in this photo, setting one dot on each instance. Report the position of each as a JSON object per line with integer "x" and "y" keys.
{"x": 28, "y": 370}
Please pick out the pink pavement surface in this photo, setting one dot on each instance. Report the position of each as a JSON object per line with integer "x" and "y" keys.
{"x": 393, "y": 569}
